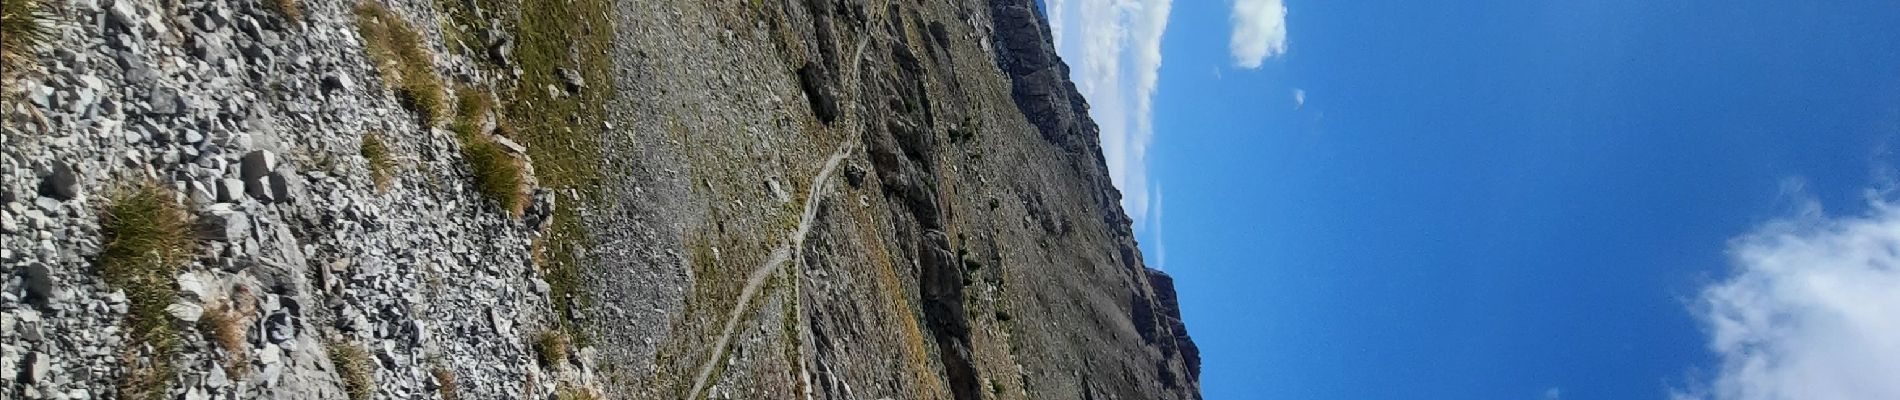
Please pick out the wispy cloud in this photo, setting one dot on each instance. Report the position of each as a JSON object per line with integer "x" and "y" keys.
{"x": 1553, "y": 394}
{"x": 1259, "y": 31}
{"x": 1811, "y": 310}
{"x": 1299, "y": 98}
{"x": 1154, "y": 231}
{"x": 1114, "y": 51}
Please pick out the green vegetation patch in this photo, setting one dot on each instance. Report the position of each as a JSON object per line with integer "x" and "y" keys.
{"x": 148, "y": 238}
{"x": 562, "y": 130}
{"x": 403, "y": 60}
{"x": 559, "y": 120}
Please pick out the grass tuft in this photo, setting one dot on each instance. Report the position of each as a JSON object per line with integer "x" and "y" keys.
{"x": 20, "y": 31}
{"x": 382, "y": 165}
{"x": 551, "y": 346}
{"x": 289, "y": 9}
{"x": 353, "y": 366}
{"x": 498, "y": 174}
{"x": 148, "y": 238}
{"x": 226, "y": 327}
{"x": 399, "y": 54}
{"x": 569, "y": 392}
{"x": 445, "y": 383}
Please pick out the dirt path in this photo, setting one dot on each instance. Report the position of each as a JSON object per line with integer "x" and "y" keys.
{"x": 821, "y": 185}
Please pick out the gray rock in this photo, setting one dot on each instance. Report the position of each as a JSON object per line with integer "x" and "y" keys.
{"x": 49, "y": 205}
{"x": 278, "y": 329}
{"x": 229, "y": 190}
{"x": 284, "y": 186}
{"x": 230, "y": 226}
{"x": 197, "y": 285}
{"x": 38, "y": 367}
{"x": 258, "y": 163}
{"x": 126, "y": 14}
{"x": 200, "y": 194}
{"x": 39, "y": 284}
{"x": 217, "y": 379}
{"x": 185, "y": 311}
{"x": 260, "y": 189}
{"x": 517, "y": 148}
{"x": 571, "y": 79}
{"x": 165, "y": 101}
{"x": 335, "y": 82}
{"x": 62, "y": 183}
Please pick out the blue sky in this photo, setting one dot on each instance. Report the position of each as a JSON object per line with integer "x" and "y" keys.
{"x": 1613, "y": 199}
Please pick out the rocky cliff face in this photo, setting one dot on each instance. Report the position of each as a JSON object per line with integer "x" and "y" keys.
{"x": 587, "y": 198}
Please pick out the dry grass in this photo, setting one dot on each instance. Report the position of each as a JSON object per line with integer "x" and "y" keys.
{"x": 551, "y": 346}
{"x": 148, "y": 238}
{"x": 403, "y": 60}
{"x": 353, "y": 366}
{"x": 570, "y": 392}
{"x": 382, "y": 165}
{"x": 445, "y": 383}
{"x": 289, "y": 9}
{"x": 20, "y": 31}
{"x": 226, "y": 326}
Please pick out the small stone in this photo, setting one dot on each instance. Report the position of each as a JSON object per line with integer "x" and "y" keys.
{"x": 278, "y": 329}
{"x": 217, "y": 379}
{"x": 62, "y": 183}
{"x": 185, "y": 311}
{"x": 777, "y": 190}
{"x": 517, "y": 148}
{"x": 195, "y": 284}
{"x": 572, "y": 79}
{"x": 49, "y": 205}
{"x": 165, "y": 101}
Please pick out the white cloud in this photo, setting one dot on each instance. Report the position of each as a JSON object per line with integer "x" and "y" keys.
{"x": 1812, "y": 311}
{"x": 1299, "y": 98}
{"x": 1113, "y": 48}
{"x": 1553, "y": 394}
{"x": 1259, "y": 31}
{"x": 1154, "y": 231}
